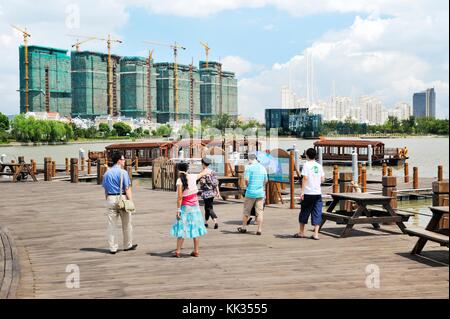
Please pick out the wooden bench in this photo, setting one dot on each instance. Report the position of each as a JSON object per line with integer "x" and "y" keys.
{"x": 427, "y": 234}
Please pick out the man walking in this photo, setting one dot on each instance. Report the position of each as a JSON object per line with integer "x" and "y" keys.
{"x": 311, "y": 196}
{"x": 255, "y": 179}
{"x": 112, "y": 181}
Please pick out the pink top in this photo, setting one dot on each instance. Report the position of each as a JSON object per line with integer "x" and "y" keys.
{"x": 190, "y": 194}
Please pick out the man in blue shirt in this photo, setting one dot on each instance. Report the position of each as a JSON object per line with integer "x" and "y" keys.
{"x": 113, "y": 191}
{"x": 255, "y": 179}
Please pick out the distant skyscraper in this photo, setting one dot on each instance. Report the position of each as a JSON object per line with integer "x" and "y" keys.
{"x": 424, "y": 104}
{"x": 402, "y": 111}
{"x": 287, "y": 98}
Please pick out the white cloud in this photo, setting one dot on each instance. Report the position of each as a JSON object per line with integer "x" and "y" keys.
{"x": 374, "y": 56}
{"x": 239, "y": 65}
{"x": 269, "y": 27}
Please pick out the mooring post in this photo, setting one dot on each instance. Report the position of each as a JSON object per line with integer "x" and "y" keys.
{"x": 47, "y": 169}
{"x": 240, "y": 169}
{"x": 67, "y": 166}
{"x": 89, "y": 166}
{"x": 440, "y": 173}
{"x": 82, "y": 164}
{"x": 360, "y": 166}
{"x": 406, "y": 169}
{"x": 34, "y": 166}
{"x": 136, "y": 164}
{"x": 364, "y": 179}
{"x": 345, "y": 182}
{"x": 292, "y": 177}
{"x": 415, "y": 177}
{"x": 100, "y": 170}
{"x": 53, "y": 168}
{"x": 129, "y": 168}
{"x": 14, "y": 169}
{"x": 390, "y": 171}
{"x": 384, "y": 169}
{"x": 335, "y": 179}
{"x": 390, "y": 189}
{"x": 74, "y": 170}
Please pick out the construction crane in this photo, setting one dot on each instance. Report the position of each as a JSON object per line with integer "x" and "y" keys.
{"x": 207, "y": 48}
{"x": 26, "y": 35}
{"x": 175, "y": 48}
{"x": 109, "y": 42}
{"x": 149, "y": 86}
{"x": 77, "y": 45}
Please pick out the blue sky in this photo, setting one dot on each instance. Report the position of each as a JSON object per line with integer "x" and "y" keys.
{"x": 383, "y": 48}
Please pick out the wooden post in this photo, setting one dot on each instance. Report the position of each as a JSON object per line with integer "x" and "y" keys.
{"x": 89, "y": 167}
{"x": 136, "y": 164}
{"x": 345, "y": 180}
{"x": 335, "y": 179}
{"x": 129, "y": 168}
{"x": 74, "y": 170}
{"x": 53, "y": 168}
{"x": 390, "y": 189}
{"x": 14, "y": 169}
{"x": 100, "y": 170}
{"x": 67, "y": 166}
{"x": 364, "y": 180}
{"x": 21, "y": 159}
{"x": 82, "y": 164}
{"x": 360, "y": 167}
{"x": 292, "y": 177}
{"x": 390, "y": 173}
{"x": 384, "y": 170}
{"x": 415, "y": 177}
{"x": 47, "y": 169}
{"x": 440, "y": 173}
{"x": 34, "y": 166}
{"x": 240, "y": 169}
{"x": 406, "y": 169}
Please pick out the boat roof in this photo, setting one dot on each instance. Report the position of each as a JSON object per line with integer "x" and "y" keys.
{"x": 352, "y": 143}
{"x": 138, "y": 145}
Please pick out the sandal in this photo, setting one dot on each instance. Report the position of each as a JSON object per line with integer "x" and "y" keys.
{"x": 315, "y": 238}
{"x": 216, "y": 226}
{"x": 177, "y": 254}
{"x": 258, "y": 233}
{"x": 297, "y": 235}
{"x": 195, "y": 254}
{"x": 242, "y": 230}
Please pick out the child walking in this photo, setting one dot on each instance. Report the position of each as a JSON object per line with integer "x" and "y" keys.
{"x": 189, "y": 222}
{"x": 311, "y": 196}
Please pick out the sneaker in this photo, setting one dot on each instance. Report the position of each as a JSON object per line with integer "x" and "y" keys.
{"x": 131, "y": 248}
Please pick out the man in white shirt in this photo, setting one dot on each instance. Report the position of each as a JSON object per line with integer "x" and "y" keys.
{"x": 311, "y": 196}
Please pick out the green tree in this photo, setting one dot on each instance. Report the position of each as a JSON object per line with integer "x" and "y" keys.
{"x": 104, "y": 129}
{"x": 4, "y": 122}
{"x": 123, "y": 129}
{"x": 164, "y": 130}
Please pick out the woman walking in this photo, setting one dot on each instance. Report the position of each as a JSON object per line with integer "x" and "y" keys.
{"x": 189, "y": 223}
{"x": 209, "y": 187}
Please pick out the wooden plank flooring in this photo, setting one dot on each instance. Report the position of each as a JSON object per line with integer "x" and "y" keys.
{"x": 56, "y": 224}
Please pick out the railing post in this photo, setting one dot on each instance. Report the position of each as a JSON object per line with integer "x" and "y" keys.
{"x": 74, "y": 170}
{"x": 67, "y": 166}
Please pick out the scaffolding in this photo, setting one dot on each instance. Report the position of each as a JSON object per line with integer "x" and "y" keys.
{"x": 90, "y": 84}
{"x": 49, "y": 80}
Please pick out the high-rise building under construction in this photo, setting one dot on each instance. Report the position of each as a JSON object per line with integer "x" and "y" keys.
{"x": 48, "y": 80}
{"x": 90, "y": 84}
{"x": 77, "y": 86}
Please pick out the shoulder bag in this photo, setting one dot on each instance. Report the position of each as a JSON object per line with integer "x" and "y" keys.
{"x": 125, "y": 204}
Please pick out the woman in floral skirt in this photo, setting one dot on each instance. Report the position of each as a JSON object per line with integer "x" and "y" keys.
{"x": 190, "y": 222}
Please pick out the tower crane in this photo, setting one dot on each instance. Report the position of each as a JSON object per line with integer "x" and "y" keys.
{"x": 207, "y": 48}
{"x": 26, "y": 35}
{"x": 175, "y": 47}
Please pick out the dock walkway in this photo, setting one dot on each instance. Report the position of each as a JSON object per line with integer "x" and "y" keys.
{"x": 56, "y": 225}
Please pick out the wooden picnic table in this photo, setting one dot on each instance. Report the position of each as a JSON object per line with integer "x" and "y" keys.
{"x": 363, "y": 214}
{"x": 229, "y": 191}
{"x": 432, "y": 231}
{"x": 18, "y": 171}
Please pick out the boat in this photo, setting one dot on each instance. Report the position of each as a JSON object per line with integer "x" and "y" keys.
{"x": 339, "y": 152}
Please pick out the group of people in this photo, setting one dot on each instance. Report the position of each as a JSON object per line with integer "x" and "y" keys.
{"x": 189, "y": 222}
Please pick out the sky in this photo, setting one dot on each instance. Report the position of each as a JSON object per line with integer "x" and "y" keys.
{"x": 388, "y": 49}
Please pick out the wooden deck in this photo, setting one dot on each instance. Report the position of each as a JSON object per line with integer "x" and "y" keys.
{"x": 56, "y": 224}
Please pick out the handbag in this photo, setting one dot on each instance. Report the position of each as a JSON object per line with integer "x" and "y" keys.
{"x": 125, "y": 204}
